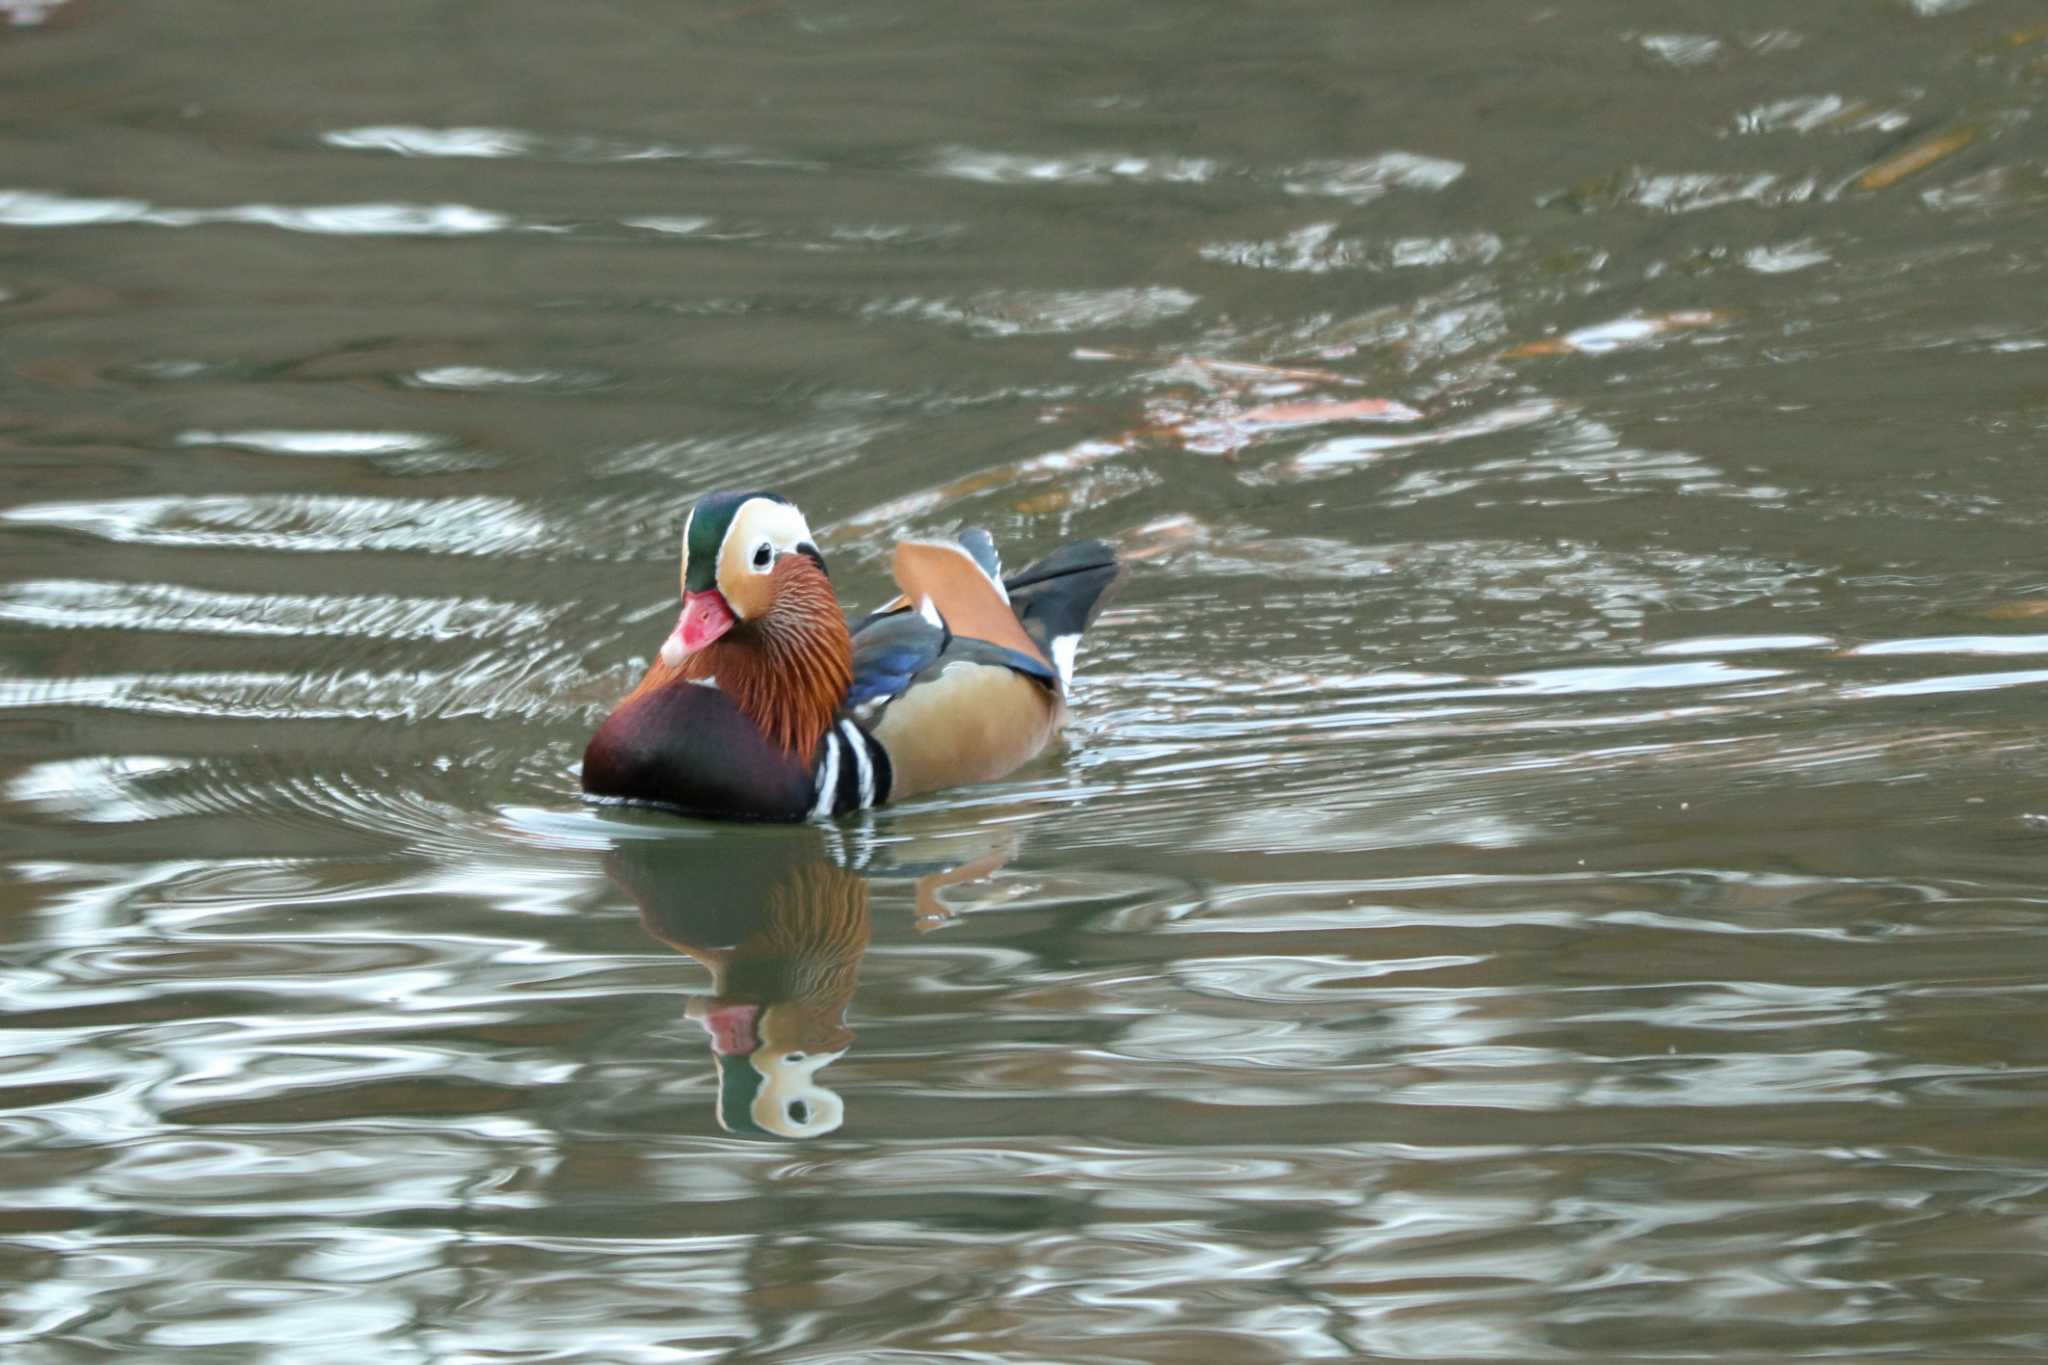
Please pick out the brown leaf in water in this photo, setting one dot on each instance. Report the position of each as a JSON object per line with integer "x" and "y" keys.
{"x": 1915, "y": 159}
{"x": 1313, "y": 412}
{"x": 1157, "y": 537}
{"x": 2026, "y": 608}
{"x": 1552, "y": 346}
{"x": 1246, "y": 369}
{"x": 2021, "y": 37}
{"x": 1038, "y": 504}
{"x": 60, "y": 372}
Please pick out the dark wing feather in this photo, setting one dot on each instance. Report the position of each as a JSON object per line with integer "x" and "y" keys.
{"x": 1058, "y": 596}
{"x": 985, "y": 652}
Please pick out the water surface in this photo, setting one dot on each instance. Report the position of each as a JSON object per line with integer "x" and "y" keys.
{"x": 1548, "y": 861}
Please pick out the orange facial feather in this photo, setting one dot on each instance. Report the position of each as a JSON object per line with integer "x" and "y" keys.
{"x": 787, "y": 669}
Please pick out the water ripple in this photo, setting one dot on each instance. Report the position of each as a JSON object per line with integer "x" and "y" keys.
{"x": 83, "y": 604}
{"x": 495, "y": 144}
{"x": 303, "y": 523}
{"x": 1359, "y": 180}
{"x": 1034, "y": 314}
{"x": 39, "y": 209}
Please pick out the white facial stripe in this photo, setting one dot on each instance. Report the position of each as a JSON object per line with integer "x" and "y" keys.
{"x": 755, "y": 522}
{"x": 684, "y": 580}
{"x": 758, "y": 519}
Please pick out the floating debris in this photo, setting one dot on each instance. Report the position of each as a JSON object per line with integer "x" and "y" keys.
{"x": 2025, "y": 609}
{"x": 1916, "y": 158}
{"x": 1613, "y": 336}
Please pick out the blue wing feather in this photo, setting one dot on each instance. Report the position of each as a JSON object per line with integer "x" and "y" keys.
{"x": 884, "y": 675}
{"x": 890, "y": 651}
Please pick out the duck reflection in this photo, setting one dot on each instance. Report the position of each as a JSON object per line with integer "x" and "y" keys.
{"x": 781, "y": 925}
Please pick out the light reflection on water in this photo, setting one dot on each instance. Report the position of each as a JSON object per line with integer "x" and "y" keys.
{"x": 1547, "y": 863}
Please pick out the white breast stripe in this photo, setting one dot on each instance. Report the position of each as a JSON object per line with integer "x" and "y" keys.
{"x": 861, "y": 762}
{"x": 828, "y": 778}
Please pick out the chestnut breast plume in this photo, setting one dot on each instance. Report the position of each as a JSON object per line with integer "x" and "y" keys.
{"x": 765, "y": 703}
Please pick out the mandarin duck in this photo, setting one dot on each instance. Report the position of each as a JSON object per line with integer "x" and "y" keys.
{"x": 765, "y": 704}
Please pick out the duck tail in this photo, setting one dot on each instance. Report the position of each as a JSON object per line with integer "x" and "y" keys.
{"x": 1058, "y": 597}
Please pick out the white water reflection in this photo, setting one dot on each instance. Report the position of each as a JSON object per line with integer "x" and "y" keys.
{"x": 1957, "y": 644}
{"x": 1034, "y": 313}
{"x": 498, "y": 144}
{"x": 1360, "y": 181}
{"x": 1959, "y": 682}
{"x": 1009, "y": 168}
{"x": 1365, "y": 180}
{"x": 355, "y": 444}
{"x": 37, "y": 209}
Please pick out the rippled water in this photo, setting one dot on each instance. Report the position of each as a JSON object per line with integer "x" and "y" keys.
{"x": 1549, "y": 858}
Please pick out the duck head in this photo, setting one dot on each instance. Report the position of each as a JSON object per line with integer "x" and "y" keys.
{"x": 729, "y": 717}
{"x": 742, "y": 554}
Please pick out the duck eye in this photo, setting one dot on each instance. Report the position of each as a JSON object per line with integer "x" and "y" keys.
{"x": 799, "y": 1111}
{"x": 762, "y": 555}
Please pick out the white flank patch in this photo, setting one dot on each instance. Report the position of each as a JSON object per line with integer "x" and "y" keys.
{"x": 1063, "y": 649}
{"x": 929, "y": 610}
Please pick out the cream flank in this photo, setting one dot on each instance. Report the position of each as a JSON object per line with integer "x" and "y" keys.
{"x": 973, "y": 723}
